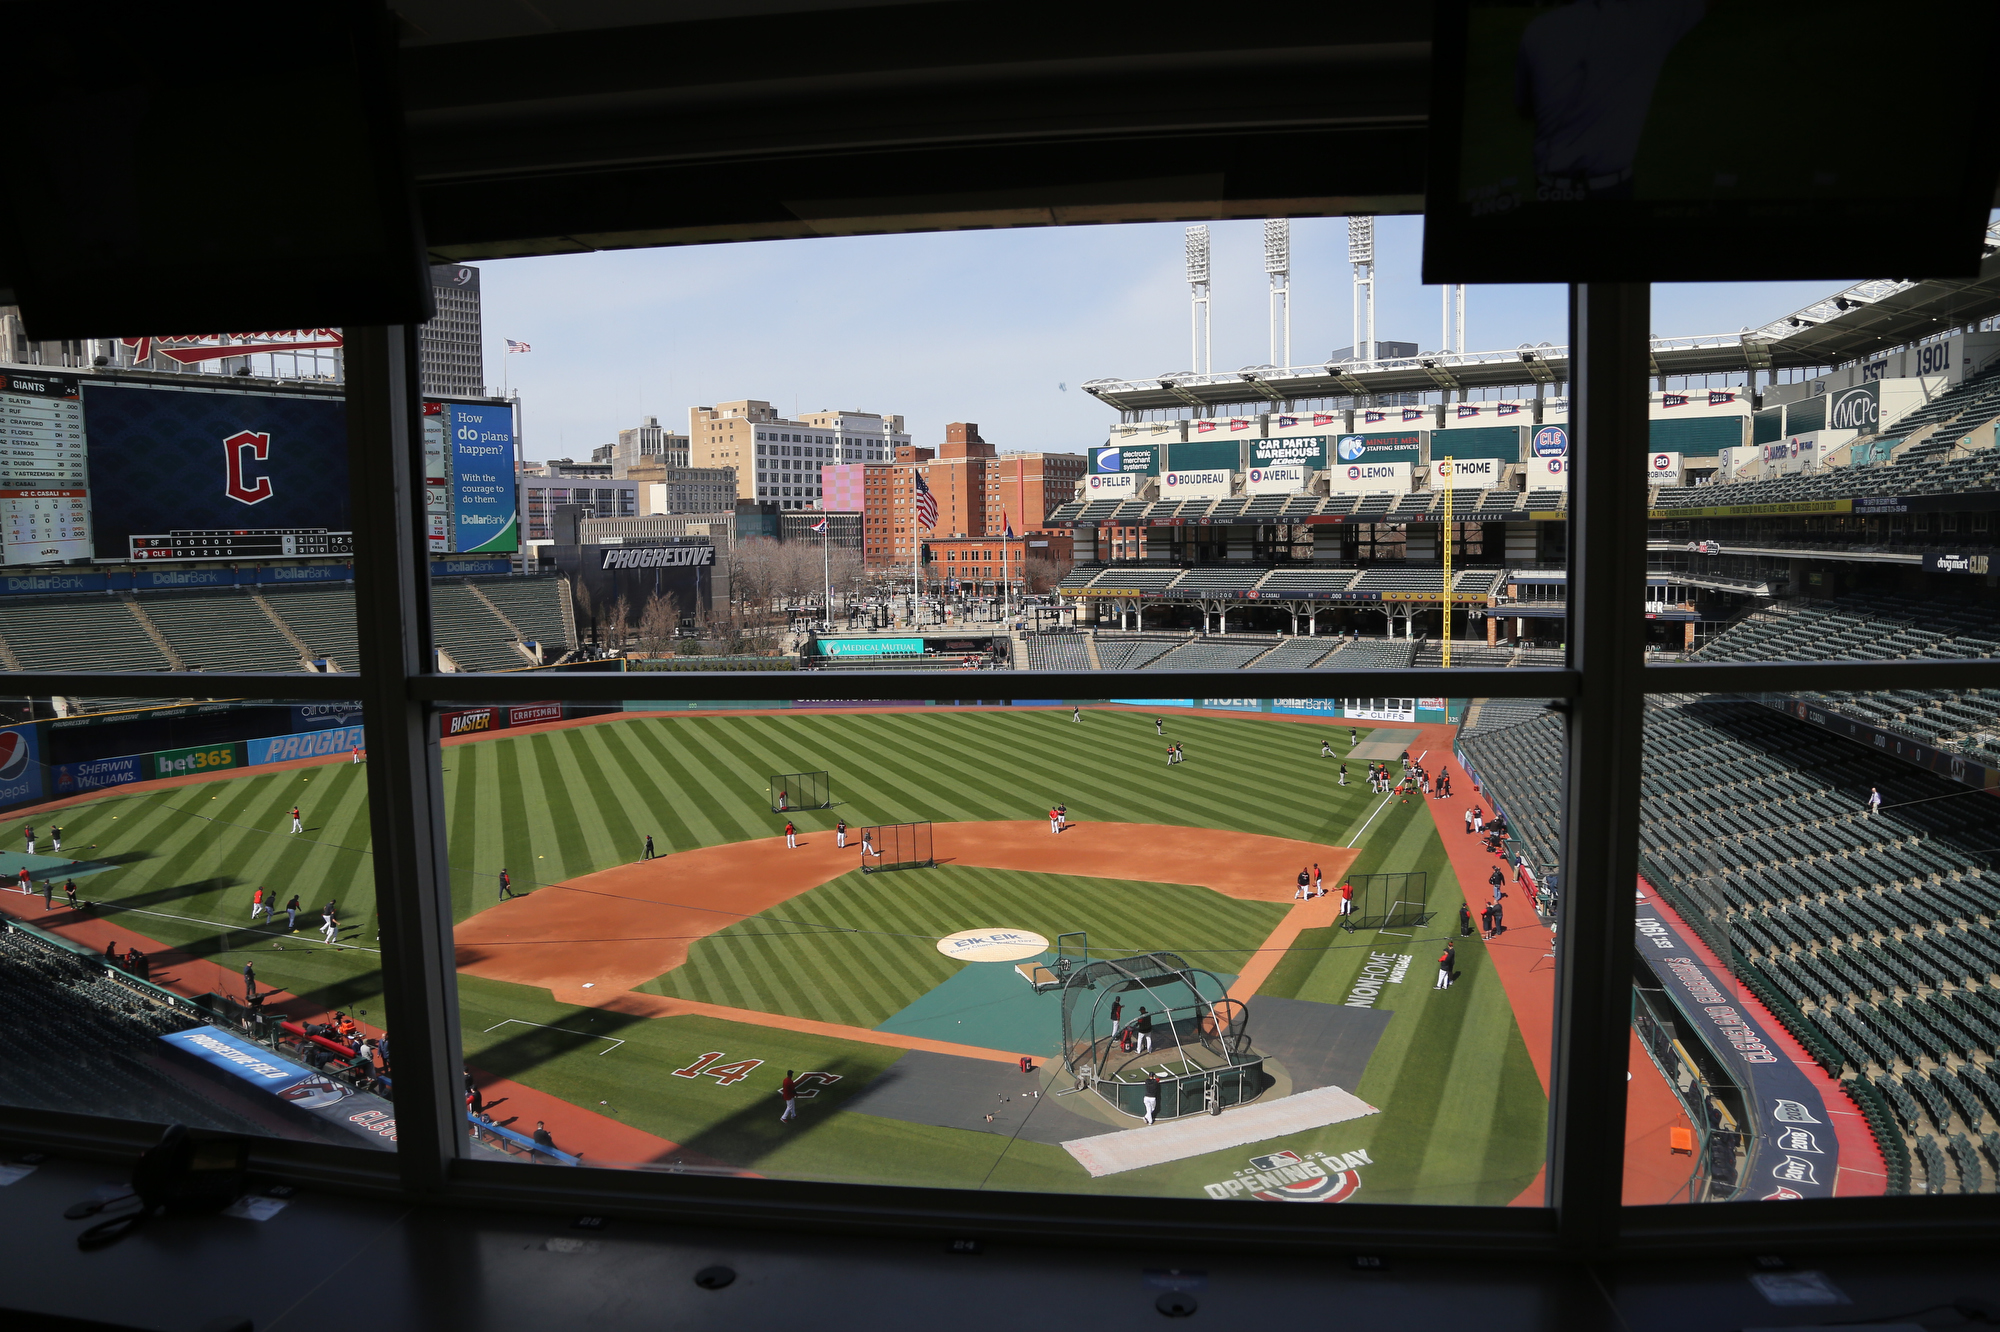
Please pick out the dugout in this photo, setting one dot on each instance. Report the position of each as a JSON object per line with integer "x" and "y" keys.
{"x": 1201, "y": 1046}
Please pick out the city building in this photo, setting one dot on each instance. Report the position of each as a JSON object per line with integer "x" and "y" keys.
{"x": 843, "y": 530}
{"x": 779, "y": 460}
{"x": 979, "y": 491}
{"x": 646, "y": 447}
{"x": 974, "y": 564}
{"x": 719, "y": 528}
{"x": 541, "y": 493}
{"x": 687, "y": 489}
{"x": 451, "y": 348}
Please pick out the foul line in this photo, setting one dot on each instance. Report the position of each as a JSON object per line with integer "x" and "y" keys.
{"x": 1371, "y": 818}
{"x": 220, "y": 925}
{"x": 616, "y": 1041}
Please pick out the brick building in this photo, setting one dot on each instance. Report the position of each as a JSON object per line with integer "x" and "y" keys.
{"x": 979, "y": 491}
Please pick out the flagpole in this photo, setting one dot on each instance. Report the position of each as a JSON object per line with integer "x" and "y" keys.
{"x": 826, "y": 564}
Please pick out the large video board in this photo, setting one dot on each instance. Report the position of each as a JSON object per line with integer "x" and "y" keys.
{"x": 203, "y": 473}
{"x": 111, "y": 470}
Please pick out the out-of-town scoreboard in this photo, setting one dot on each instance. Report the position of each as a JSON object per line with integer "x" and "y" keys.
{"x": 44, "y": 475}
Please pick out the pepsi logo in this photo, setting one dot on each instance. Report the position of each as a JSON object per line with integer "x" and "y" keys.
{"x": 14, "y": 755}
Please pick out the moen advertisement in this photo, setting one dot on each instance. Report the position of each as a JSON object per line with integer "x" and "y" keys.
{"x": 221, "y": 467}
{"x": 484, "y": 517}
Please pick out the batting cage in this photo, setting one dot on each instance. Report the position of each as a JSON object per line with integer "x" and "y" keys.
{"x": 1128, "y": 1019}
{"x": 800, "y": 790}
{"x": 894, "y": 846}
{"x": 1385, "y": 901}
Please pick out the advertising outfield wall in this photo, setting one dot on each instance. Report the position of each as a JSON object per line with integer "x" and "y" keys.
{"x": 71, "y": 756}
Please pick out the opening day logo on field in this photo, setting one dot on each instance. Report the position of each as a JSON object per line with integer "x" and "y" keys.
{"x": 1320, "y": 1177}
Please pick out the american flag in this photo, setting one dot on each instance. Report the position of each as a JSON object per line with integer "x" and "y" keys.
{"x": 514, "y": 346}
{"x": 926, "y": 504}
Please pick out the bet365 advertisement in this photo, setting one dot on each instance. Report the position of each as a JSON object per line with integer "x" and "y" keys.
{"x": 166, "y": 460}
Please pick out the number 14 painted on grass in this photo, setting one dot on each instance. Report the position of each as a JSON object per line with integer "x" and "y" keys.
{"x": 724, "y": 1074}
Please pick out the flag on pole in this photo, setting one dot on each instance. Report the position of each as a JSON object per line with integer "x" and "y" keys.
{"x": 514, "y": 346}
{"x": 1008, "y": 525}
{"x": 821, "y": 525}
{"x": 926, "y": 503}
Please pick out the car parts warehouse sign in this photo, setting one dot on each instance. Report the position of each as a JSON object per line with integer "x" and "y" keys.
{"x": 1307, "y": 451}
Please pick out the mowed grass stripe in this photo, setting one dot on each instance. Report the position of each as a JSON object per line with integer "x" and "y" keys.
{"x": 865, "y": 978}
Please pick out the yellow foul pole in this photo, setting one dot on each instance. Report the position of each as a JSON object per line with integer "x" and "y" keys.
{"x": 1451, "y": 482}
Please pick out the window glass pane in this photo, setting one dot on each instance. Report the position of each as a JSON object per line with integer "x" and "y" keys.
{"x": 1814, "y": 958}
{"x": 1372, "y": 501}
{"x": 191, "y": 932}
{"x": 1042, "y": 913}
{"x": 1813, "y": 494}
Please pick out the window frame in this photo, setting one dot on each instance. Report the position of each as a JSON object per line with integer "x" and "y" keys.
{"x": 1601, "y": 691}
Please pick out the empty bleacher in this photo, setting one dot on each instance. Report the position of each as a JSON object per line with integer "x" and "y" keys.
{"x": 323, "y": 617}
{"x": 84, "y": 633}
{"x": 1130, "y": 652}
{"x": 220, "y": 630}
{"x": 1873, "y": 935}
{"x": 466, "y": 628}
{"x": 1295, "y": 654}
{"x": 535, "y": 607}
{"x": 81, "y": 1042}
{"x": 1372, "y": 654}
{"x": 1057, "y": 652}
{"x": 1211, "y": 654}
{"x": 1300, "y": 580}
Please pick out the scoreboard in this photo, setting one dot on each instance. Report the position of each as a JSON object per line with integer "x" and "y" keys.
{"x": 44, "y": 477}
{"x": 249, "y": 544}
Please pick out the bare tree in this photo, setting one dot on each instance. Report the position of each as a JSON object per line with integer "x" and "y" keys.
{"x": 586, "y": 611}
{"x": 620, "y": 621}
{"x": 1047, "y": 571}
{"x": 659, "y": 623}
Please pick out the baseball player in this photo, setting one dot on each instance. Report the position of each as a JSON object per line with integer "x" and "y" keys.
{"x": 55, "y": 839}
{"x": 1326, "y": 749}
{"x": 1444, "y": 969}
{"x": 506, "y": 885}
{"x": 840, "y": 833}
{"x": 791, "y": 835}
{"x": 1346, "y": 899}
{"x": 354, "y": 755}
{"x": 1319, "y": 884}
{"x": 1299, "y": 895}
{"x": 1160, "y": 727}
{"x": 784, "y": 800}
{"x": 1076, "y": 712}
{"x": 649, "y": 848}
{"x": 329, "y": 925}
{"x": 1062, "y": 816}
{"x": 31, "y": 838}
{"x": 297, "y": 826}
{"x": 867, "y": 843}
{"x": 1343, "y": 774}
{"x": 259, "y": 905}
{"x": 788, "y": 1092}
{"x": 1052, "y": 820}
{"x": 27, "y": 886}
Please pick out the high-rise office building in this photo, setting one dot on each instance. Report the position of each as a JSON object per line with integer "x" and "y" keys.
{"x": 451, "y": 352}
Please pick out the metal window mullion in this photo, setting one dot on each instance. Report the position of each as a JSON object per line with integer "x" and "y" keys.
{"x": 405, "y": 788}
{"x": 1607, "y": 562}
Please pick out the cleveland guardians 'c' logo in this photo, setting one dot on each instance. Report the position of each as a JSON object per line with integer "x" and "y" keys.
{"x": 258, "y": 446}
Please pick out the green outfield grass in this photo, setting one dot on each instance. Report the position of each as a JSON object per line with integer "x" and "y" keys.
{"x": 1463, "y": 1112}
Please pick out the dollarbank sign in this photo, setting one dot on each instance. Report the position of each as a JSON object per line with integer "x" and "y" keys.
{"x": 1315, "y": 1177}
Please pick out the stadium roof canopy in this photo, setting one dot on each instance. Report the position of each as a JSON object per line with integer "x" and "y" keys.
{"x": 1850, "y": 325}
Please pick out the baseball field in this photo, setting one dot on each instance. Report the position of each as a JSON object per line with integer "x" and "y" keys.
{"x": 648, "y": 1010}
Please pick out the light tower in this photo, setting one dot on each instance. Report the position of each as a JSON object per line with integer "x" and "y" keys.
{"x": 1454, "y": 314}
{"x": 1361, "y": 253}
{"x": 1278, "y": 265}
{"x": 1197, "y": 276}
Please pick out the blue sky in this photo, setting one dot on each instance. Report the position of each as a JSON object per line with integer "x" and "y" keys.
{"x": 972, "y": 326}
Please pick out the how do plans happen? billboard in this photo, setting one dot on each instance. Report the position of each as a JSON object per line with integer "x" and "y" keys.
{"x": 469, "y": 489}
